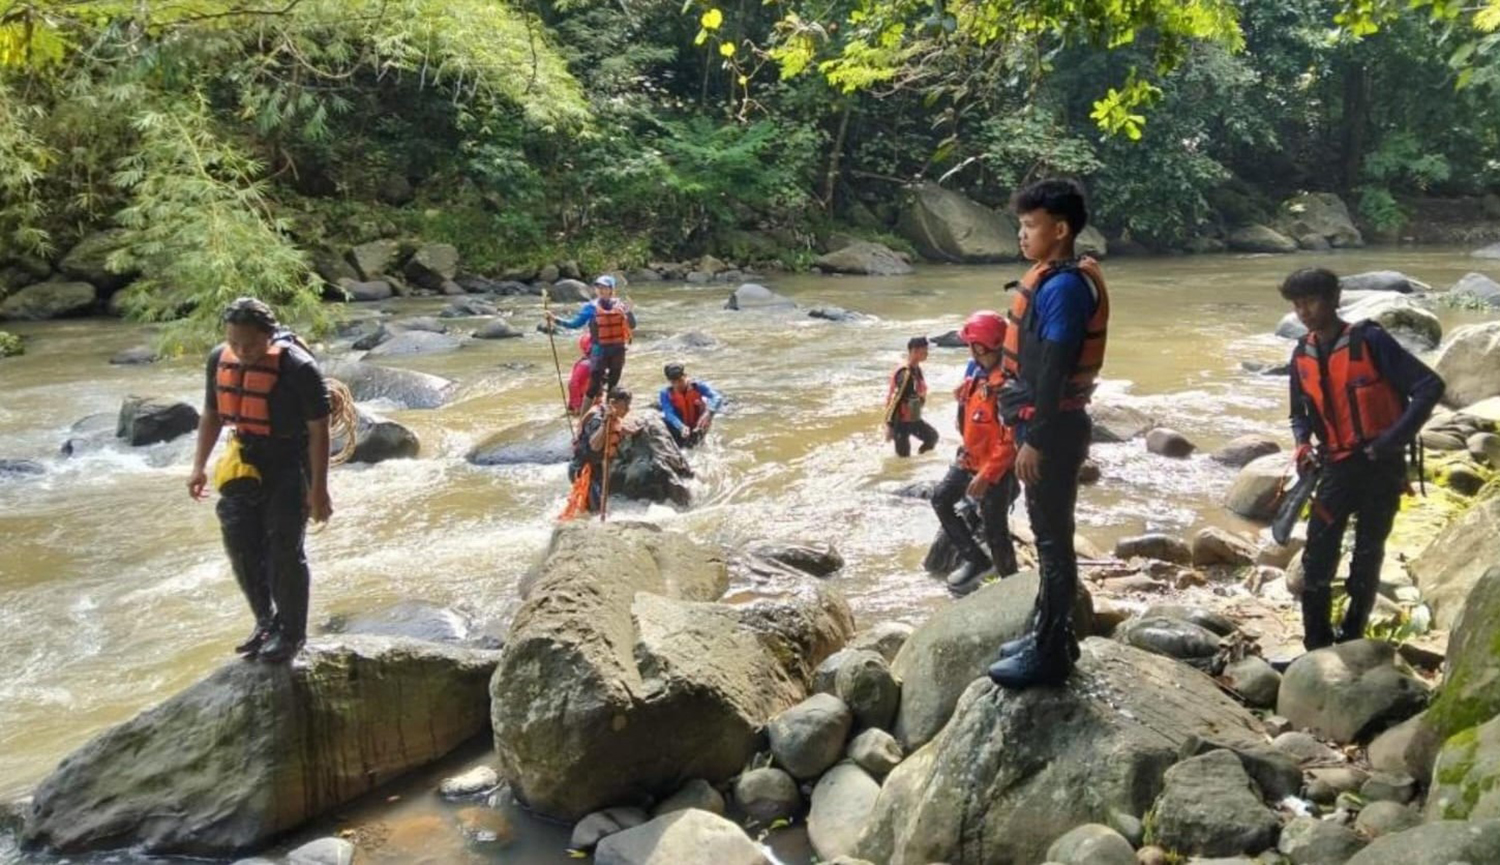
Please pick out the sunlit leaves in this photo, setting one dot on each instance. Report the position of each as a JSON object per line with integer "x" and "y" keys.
{"x": 1119, "y": 110}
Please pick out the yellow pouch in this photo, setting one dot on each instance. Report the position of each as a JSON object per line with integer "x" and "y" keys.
{"x": 232, "y": 466}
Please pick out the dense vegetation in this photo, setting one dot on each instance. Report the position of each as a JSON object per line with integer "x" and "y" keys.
{"x": 229, "y": 139}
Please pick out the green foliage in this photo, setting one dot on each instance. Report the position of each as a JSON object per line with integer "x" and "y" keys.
{"x": 1380, "y": 209}
{"x": 10, "y": 345}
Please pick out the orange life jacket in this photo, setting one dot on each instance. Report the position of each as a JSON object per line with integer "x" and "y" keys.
{"x": 1017, "y": 361}
{"x": 242, "y": 392}
{"x": 1353, "y": 402}
{"x": 909, "y": 407}
{"x": 689, "y": 404}
{"x": 989, "y": 445}
{"x": 611, "y": 326}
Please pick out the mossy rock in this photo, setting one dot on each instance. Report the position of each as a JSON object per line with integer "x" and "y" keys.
{"x": 1466, "y": 779}
{"x": 1471, "y": 688}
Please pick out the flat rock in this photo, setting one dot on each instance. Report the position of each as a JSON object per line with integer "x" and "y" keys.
{"x": 1350, "y": 692}
{"x": 1382, "y": 280}
{"x": 416, "y": 342}
{"x": 680, "y": 837}
{"x": 537, "y": 442}
{"x": 44, "y": 300}
{"x": 755, "y": 296}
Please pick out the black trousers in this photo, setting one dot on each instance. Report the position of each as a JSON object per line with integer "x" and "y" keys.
{"x": 994, "y": 508}
{"x": 904, "y": 430}
{"x": 264, "y": 523}
{"x": 1050, "y": 503}
{"x": 605, "y": 369}
{"x": 1370, "y": 492}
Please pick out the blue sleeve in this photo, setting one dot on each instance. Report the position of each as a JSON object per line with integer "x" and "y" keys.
{"x": 669, "y": 411}
{"x": 1063, "y": 306}
{"x": 1415, "y": 381}
{"x": 709, "y": 395}
{"x": 583, "y": 317}
{"x": 971, "y": 369}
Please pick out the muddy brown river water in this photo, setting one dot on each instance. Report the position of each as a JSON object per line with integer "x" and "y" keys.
{"x": 114, "y": 593}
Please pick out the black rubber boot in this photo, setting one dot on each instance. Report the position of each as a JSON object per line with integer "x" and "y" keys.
{"x": 1031, "y": 666}
{"x": 969, "y": 576}
{"x": 252, "y": 644}
{"x": 279, "y": 649}
{"x": 1010, "y": 647}
{"x": 1317, "y": 632}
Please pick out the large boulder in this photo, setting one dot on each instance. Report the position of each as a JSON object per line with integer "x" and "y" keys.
{"x": 650, "y": 467}
{"x": 1208, "y": 806}
{"x": 148, "y": 420}
{"x": 1350, "y": 692}
{"x": 618, "y": 679}
{"x": 954, "y": 647}
{"x": 433, "y": 266}
{"x": 679, "y": 837}
{"x": 1319, "y": 214}
{"x": 1469, "y": 362}
{"x": 1471, "y": 676}
{"x": 1453, "y": 564}
{"x": 1478, "y": 289}
{"x": 255, "y": 750}
{"x": 538, "y": 442}
{"x": 45, "y": 300}
{"x": 864, "y": 257}
{"x": 1466, "y": 777}
{"x": 1091, "y": 243}
{"x": 1255, "y": 490}
{"x": 1382, "y": 280}
{"x": 366, "y": 291}
{"x": 866, "y": 686}
{"x": 375, "y": 259}
{"x": 841, "y": 803}
{"x": 407, "y": 343}
{"x": 947, "y": 226}
{"x": 1447, "y": 842}
{"x": 1242, "y": 450}
{"x": 87, "y": 260}
{"x": 403, "y": 388}
{"x": 1492, "y": 251}
{"x": 1012, "y": 771}
{"x": 1411, "y": 323}
{"x": 1260, "y": 238}
{"x": 753, "y": 295}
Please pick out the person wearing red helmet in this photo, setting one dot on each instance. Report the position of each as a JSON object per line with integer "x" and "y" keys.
{"x": 982, "y": 469}
{"x": 1054, "y": 348}
{"x": 578, "y": 380}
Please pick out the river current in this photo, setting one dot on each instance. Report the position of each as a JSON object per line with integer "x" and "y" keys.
{"x": 115, "y": 594}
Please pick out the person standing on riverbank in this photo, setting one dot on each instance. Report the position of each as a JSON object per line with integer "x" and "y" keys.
{"x": 687, "y": 406}
{"x": 610, "y": 324}
{"x": 596, "y": 446}
{"x": 905, "y": 399}
{"x": 274, "y": 472}
{"x": 1054, "y": 348}
{"x": 1366, "y": 399}
{"x": 982, "y": 469}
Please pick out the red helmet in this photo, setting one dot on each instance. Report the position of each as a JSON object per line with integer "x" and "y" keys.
{"x": 985, "y": 328}
{"x": 585, "y": 343}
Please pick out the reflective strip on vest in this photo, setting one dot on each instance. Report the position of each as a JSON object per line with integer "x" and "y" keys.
{"x": 1353, "y": 403}
{"x": 242, "y": 393}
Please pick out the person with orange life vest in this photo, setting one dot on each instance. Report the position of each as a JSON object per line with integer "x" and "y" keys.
{"x": 982, "y": 470}
{"x": 610, "y": 324}
{"x": 269, "y": 390}
{"x": 1366, "y": 399}
{"x": 904, "y": 400}
{"x": 1054, "y": 348}
{"x": 578, "y": 379}
{"x": 598, "y": 440}
{"x": 687, "y": 406}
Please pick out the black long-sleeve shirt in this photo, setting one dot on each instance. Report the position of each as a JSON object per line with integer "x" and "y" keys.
{"x": 1420, "y": 389}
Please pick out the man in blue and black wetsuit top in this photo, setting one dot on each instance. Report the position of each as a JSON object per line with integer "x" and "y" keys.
{"x": 1054, "y": 349}
{"x": 1366, "y": 398}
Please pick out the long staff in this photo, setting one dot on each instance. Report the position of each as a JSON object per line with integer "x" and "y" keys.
{"x": 609, "y": 419}
{"x": 556, "y": 363}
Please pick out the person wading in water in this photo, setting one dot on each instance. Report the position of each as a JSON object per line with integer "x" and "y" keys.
{"x": 904, "y": 401}
{"x": 687, "y": 406}
{"x": 1366, "y": 399}
{"x": 982, "y": 469}
{"x": 1054, "y": 347}
{"x": 610, "y": 324}
{"x": 274, "y": 473}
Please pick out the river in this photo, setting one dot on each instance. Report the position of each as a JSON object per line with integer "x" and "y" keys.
{"x": 114, "y": 592}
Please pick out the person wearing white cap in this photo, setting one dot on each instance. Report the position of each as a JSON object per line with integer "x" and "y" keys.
{"x": 610, "y": 324}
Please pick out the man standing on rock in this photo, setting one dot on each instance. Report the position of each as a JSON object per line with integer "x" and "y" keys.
{"x": 982, "y": 469}
{"x": 610, "y": 323}
{"x": 274, "y": 472}
{"x": 597, "y": 445}
{"x": 1054, "y": 348}
{"x": 1366, "y": 398}
{"x": 904, "y": 402}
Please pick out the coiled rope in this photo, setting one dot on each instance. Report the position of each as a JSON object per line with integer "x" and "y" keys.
{"x": 343, "y": 421}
